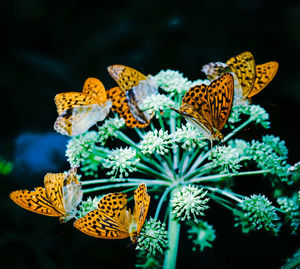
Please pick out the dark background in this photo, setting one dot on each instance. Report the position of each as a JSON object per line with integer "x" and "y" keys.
{"x": 51, "y": 46}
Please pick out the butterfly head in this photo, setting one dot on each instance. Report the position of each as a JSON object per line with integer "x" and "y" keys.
{"x": 133, "y": 231}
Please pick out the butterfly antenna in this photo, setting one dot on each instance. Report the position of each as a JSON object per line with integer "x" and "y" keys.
{"x": 47, "y": 229}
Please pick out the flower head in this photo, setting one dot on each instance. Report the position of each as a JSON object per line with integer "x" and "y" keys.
{"x": 153, "y": 237}
{"x": 292, "y": 211}
{"x": 157, "y": 103}
{"x": 80, "y": 147}
{"x": 109, "y": 128}
{"x": 202, "y": 234}
{"x": 156, "y": 141}
{"x": 258, "y": 213}
{"x": 121, "y": 161}
{"x": 271, "y": 154}
{"x": 189, "y": 136}
{"x": 87, "y": 206}
{"x": 172, "y": 82}
{"x": 189, "y": 202}
{"x": 227, "y": 158}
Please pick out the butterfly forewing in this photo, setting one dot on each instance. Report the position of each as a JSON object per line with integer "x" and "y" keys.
{"x": 264, "y": 74}
{"x": 243, "y": 65}
{"x": 220, "y": 97}
{"x": 142, "y": 201}
{"x": 125, "y": 76}
{"x": 93, "y": 87}
{"x": 67, "y": 100}
{"x": 36, "y": 201}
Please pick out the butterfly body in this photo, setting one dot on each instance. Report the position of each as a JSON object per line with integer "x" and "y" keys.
{"x": 112, "y": 219}
{"x": 127, "y": 99}
{"x": 78, "y": 111}
{"x": 208, "y": 106}
{"x": 59, "y": 198}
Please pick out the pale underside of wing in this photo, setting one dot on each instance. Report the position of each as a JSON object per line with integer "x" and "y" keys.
{"x": 77, "y": 120}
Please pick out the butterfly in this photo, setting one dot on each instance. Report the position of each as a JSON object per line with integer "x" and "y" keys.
{"x": 112, "y": 219}
{"x": 127, "y": 99}
{"x": 208, "y": 106}
{"x": 59, "y": 198}
{"x": 251, "y": 77}
{"x": 78, "y": 111}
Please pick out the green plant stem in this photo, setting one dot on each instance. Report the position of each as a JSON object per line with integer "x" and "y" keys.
{"x": 243, "y": 125}
{"x": 161, "y": 201}
{"x": 131, "y": 180}
{"x": 121, "y": 185}
{"x": 173, "y": 234}
{"x": 228, "y": 194}
{"x": 202, "y": 158}
{"x": 148, "y": 170}
{"x": 224, "y": 176}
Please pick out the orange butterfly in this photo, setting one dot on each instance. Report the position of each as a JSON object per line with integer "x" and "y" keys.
{"x": 127, "y": 99}
{"x": 252, "y": 78}
{"x": 59, "y": 198}
{"x": 112, "y": 219}
{"x": 79, "y": 111}
{"x": 208, "y": 106}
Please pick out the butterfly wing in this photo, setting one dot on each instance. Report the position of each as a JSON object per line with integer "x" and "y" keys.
{"x": 54, "y": 183}
{"x": 67, "y": 100}
{"x": 125, "y": 76}
{"x": 76, "y": 120}
{"x": 264, "y": 74}
{"x": 215, "y": 69}
{"x": 111, "y": 219}
{"x": 195, "y": 108}
{"x": 121, "y": 105}
{"x": 142, "y": 201}
{"x": 35, "y": 201}
{"x": 243, "y": 65}
{"x": 94, "y": 87}
{"x": 220, "y": 97}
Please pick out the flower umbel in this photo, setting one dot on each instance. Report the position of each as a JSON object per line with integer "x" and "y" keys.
{"x": 87, "y": 206}
{"x": 121, "y": 161}
{"x": 259, "y": 213}
{"x": 153, "y": 237}
{"x": 189, "y": 202}
{"x": 156, "y": 141}
{"x": 202, "y": 234}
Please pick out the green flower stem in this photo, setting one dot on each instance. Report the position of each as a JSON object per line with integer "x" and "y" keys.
{"x": 161, "y": 201}
{"x": 126, "y": 139}
{"x": 131, "y": 180}
{"x": 224, "y": 176}
{"x": 175, "y": 149}
{"x": 140, "y": 133}
{"x": 121, "y": 185}
{"x": 161, "y": 122}
{"x": 173, "y": 235}
{"x": 293, "y": 263}
{"x": 202, "y": 158}
{"x": 191, "y": 160}
{"x": 150, "y": 171}
{"x": 200, "y": 171}
{"x": 243, "y": 125}
{"x": 228, "y": 194}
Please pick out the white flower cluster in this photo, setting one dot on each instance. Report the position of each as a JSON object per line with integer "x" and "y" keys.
{"x": 156, "y": 141}
{"x": 157, "y": 103}
{"x": 121, "y": 162}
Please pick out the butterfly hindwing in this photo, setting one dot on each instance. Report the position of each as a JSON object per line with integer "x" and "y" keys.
{"x": 110, "y": 220}
{"x": 121, "y": 106}
{"x": 54, "y": 185}
{"x": 264, "y": 74}
{"x": 35, "y": 201}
